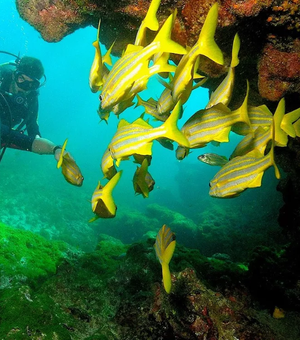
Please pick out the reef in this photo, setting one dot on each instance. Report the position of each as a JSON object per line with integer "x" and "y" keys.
{"x": 269, "y": 56}
{"x": 115, "y": 292}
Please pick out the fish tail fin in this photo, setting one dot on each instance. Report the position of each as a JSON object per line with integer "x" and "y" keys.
{"x": 140, "y": 101}
{"x": 277, "y": 173}
{"x": 243, "y": 110}
{"x": 107, "y": 56}
{"x": 172, "y": 131}
{"x": 150, "y": 20}
{"x": 287, "y": 122}
{"x": 206, "y": 41}
{"x": 280, "y": 136}
{"x": 108, "y": 188}
{"x": 61, "y": 157}
{"x": 167, "y": 281}
{"x": 98, "y": 30}
{"x": 235, "y": 51}
{"x": 164, "y": 37}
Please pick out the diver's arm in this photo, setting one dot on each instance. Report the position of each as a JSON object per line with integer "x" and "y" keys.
{"x": 42, "y": 146}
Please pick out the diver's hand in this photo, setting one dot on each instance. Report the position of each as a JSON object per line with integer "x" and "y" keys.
{"x": 57, "y": 154}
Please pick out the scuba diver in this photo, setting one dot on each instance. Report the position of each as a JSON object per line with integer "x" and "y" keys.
{"x": 19, "y": 129}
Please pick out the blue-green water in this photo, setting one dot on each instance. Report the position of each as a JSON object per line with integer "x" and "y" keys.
{"x": 35, "y": 196}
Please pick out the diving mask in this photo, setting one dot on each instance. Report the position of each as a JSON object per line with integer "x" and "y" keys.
{"x": 27, "y": 83}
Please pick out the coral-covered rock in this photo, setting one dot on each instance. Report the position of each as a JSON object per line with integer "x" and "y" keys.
{"x": 257, "y": 22}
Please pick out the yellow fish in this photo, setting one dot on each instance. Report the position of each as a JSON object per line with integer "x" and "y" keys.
{"x": 143, "y": 182}
{"x": 278, "y": 313}
{"x": 151, "y": 108}
{"x": 70, "y": 169}
{"x": 182, "y": 83}
{"x": 150, "y": 21}
{"x": 214, "y": 124}
{"x": 134, "y": 65}
{"x": 164, "y": 248}
{"x": 107, "y": 165}
{"x": 259, "y": 116}
{"x": 224, "y": 91}
{"x": 99, "y": 71}
{"x": 137, "y": 137}
{"x": 103, "y": 204}
{"x": 243, "y": 172}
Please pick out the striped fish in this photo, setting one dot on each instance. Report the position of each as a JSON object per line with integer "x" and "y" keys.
{"x": 103, "y": 204}
{"x": 137, "y": 137}
{"x": 258, "y": 116}
{"x": 165, "y": 103}
{"x": 224, "y": 91}
{"x": 133, "y": 65}
{"x": 107, "y": 165}
{"x": 151, "y": 108}
{"x": 241, "y": 173}
{"x": 259, "y": 141}
{"x": 244, "y": 172}
{"x": 70, "y": 169}
{"x": 164, "y": 248}
{"x": 214, "y": 124}
{"x": 182, "y": 84}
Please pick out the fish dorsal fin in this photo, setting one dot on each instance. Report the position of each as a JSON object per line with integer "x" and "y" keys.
{"x": 142, "y": 122}
{"x": 221, "y": 107}
{"x": 123, "y": 123}
{"x": 255, "y": 153}
{"x": 132, "y": 48}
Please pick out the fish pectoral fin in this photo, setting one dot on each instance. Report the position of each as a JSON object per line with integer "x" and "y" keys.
{"x": 257, "y": 181}
{"x": 93, "y": 219}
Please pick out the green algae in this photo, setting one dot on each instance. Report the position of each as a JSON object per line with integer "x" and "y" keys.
{"x": 25, "y": 256}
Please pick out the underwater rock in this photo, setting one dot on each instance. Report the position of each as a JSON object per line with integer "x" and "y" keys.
{"x": 180, "y": 224}
{"x": 105, "y": 295}
{"x": 258, "y": 23}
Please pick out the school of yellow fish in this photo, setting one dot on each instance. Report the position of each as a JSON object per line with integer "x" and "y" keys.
{"x": 121, "y": 83}
{"x": 119, "y": 86}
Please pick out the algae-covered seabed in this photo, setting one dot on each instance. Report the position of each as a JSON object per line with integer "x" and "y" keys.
{"x": 34, "y": 196}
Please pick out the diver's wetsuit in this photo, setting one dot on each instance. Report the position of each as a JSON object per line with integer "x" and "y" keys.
{"x": 24, "y": 112}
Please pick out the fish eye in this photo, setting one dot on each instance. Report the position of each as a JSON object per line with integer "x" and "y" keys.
{"x": 100, "y": 97}
{"x": 209, "y": 184}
